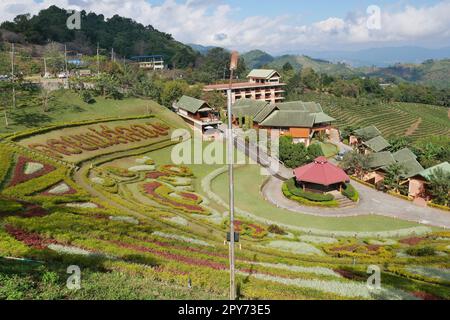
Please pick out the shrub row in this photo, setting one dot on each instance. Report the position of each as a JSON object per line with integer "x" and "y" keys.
{"x": 306, "y": 202}
{"x": 438, "y": 206}
{"x": 414, "y": 276}
{"x": 316, "y": 197}
{"x": 350, "y": 192}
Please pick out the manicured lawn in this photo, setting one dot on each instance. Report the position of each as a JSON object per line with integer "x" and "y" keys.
{"x": 249, "y": 198}
{"x": 67, "y": 106}
{"x": 329, "y": 150}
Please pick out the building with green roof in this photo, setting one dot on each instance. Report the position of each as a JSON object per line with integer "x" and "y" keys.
{"x": 367, "y": 133}
{"x": 299, "y": 119}
{"x": 377, "y": 144}
{"x": 198, "y": 114}
{"x": 418, "y": 182}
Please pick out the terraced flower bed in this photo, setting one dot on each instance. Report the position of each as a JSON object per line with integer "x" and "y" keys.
{"x": 164, "y": 195}
{"x": 27, "y": 169}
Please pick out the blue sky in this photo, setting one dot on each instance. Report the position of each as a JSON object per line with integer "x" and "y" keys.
{"x": 276, "y": 26}
{"x": 312, "y": 10}
{"x": 309, "y": 10}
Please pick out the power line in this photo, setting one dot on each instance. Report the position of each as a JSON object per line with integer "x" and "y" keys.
{"x": 13, "y": 76}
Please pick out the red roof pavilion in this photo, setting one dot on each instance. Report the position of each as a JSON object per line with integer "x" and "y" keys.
{"x": 321, "y": 172}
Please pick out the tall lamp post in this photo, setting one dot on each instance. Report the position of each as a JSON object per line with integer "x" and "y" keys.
{"x": 233, "y": 66}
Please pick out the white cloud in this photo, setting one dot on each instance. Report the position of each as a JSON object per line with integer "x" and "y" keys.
{"x": 210, "y": 23}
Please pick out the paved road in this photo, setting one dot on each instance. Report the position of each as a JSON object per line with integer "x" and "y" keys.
{"x": 372, "y": 202}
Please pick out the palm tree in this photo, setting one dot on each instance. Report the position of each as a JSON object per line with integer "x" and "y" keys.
{"x": 439, "y": 186}
{"x": 393, "y": 177}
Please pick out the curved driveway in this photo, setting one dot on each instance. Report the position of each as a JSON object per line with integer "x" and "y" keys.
{"x": 372, "y": 202}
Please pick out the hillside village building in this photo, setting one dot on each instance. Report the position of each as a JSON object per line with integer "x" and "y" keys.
{"x": 418, "y": 183}
{"x": 153, "y": 62}
{"x": 301, "y": 120}
{"x": 369, "y": 140}
{"x": 380, "y": 161}
{"x": 198, "y": 114}
{"x": 262, "y": 84}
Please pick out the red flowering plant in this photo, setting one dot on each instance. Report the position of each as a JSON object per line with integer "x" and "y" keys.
{"x": 20, "y": 176}
{"x": 33, "y": 240}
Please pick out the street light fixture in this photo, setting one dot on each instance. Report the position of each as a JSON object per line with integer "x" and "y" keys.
{"x": 233, "y": 66}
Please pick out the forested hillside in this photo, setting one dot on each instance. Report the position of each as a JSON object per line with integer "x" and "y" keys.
{"x": 125, "y": 35}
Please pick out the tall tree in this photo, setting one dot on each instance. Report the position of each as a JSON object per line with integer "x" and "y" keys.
{"x": 439, "y": 186}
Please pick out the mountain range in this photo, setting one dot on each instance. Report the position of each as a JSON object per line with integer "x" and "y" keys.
{"x": 429, "y": 72}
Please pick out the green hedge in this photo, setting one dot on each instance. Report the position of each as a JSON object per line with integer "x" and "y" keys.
{"x": 316, "y": 197}
{"x": 350, "y": 192}
{"x": 306, "y": 202}
{"x": 6, "y": 158}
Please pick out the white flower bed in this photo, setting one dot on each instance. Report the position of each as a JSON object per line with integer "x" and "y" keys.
{"x": 295, "y": 247}
{"x": 312, "y": 270}
{"x": 142, "y": 168}
{"x": 85, "y": 205}
{"x": 69, "y": 250}
{"x": 178, "y": 220}
{"x": 32, "y": 167}
{"x": 59, "y": 189}
{"x": 130, "y": 220}
{"x": 430, "y": 272}
{"x": 185, "y": 188}
{"x": 143, "y": 160}
{"x": 181, "y": 238}
{"x": 340, "y": 288}
{"x": 98, "y": 180}
{"x": 180, "y": 181}
{"x": 206, "y": 187}
{"x": 318, "y": 240}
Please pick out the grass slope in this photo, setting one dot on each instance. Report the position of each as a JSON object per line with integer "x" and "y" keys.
{"x": 67, "y": 106}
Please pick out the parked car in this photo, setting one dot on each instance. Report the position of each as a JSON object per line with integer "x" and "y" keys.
{"x": 62, "y": 75}
{"x": 340, "y": 156}
{"x": 4, "y": 77}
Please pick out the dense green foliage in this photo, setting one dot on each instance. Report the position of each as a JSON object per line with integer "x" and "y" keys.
{"x": 439, "y": 187}
{"x": 294, "y": 155}
{"x": 127, "y": 37}
{"x": 350, "y": 192}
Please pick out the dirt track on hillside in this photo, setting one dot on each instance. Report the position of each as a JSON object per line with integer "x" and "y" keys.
{"x": 414, "y": 127}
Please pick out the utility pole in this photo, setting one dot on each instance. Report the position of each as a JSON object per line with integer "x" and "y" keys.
{"x": 98, "y": 60}
{"x": 112, "y": 55}
{"x": 6, "y": 118}
{"x": 45, "y": 67}
{"x": 233, "y": 66}
{"x": 12, "y": 76}
{"x": 65, "y": 59}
